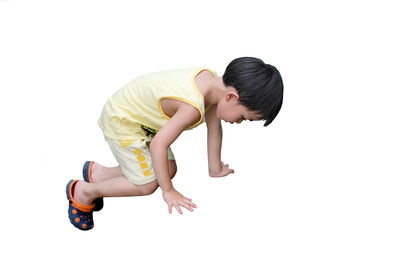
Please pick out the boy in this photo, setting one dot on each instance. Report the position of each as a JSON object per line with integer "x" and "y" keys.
{"x": 142, "y": 119}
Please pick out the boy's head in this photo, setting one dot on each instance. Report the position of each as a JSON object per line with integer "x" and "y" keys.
{"x": 255, "y": 91}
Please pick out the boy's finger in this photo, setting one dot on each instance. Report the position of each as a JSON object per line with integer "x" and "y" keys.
{"x": 189, "y": 201}
{"x": 186, "y": 206}
{"x": 192, "y": 204}
{"x": 169, "y": 208}
{"x": 178, "y": 209}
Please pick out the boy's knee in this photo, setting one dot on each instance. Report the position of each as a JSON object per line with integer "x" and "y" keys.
{"x": 149, "y": 188}
{"x": 172, "y": 168}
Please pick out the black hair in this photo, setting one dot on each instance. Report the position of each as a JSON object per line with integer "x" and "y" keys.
{"x": 259, "y": 85}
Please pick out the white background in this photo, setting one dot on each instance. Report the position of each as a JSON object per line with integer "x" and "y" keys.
{"x": 316, "y": 191}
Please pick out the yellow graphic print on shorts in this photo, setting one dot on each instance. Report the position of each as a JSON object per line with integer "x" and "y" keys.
{"x": 142, "y": 161}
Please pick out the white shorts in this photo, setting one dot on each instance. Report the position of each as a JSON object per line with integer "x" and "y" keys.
{"x": 134, "y": 159}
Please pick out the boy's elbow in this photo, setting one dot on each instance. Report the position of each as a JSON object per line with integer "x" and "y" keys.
{"x": 156, "y": 145}
{"x": 153, "y": 145}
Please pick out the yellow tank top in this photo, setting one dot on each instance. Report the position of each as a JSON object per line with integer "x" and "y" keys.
{"x": 135, "y": 109}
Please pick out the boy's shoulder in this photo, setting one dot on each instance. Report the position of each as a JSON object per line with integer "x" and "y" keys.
{"x": 205, "y": 74}
{"x": 195, "y": 75}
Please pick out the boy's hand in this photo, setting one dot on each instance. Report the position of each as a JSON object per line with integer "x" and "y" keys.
{"x": 223, "y": 171}
{"x": 175, "y": 199}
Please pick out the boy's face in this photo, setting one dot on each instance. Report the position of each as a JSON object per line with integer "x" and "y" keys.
{"x": 230, "y": 110}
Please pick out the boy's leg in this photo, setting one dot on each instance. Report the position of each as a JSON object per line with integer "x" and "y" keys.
{"x": 101, "y": 173}
{"x": 111, "y": 182}
{"x": 118, "y": 186}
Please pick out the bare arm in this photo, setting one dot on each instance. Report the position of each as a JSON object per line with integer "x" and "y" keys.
{"x": 216, "y": 167}
{"x": 185, "y": 116}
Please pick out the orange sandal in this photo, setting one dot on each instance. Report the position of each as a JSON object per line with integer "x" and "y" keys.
{"x": 81, "y": 216}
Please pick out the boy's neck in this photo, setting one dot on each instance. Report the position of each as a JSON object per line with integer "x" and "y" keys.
{"x": 214, "y": 89}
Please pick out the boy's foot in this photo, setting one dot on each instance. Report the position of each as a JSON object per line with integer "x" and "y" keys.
{"x": 80, "y": 193}
{"x": 80, "y": 215}
{"x": 88, "y": 170}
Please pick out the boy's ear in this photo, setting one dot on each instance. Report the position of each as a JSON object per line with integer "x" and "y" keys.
{"x": 233, "y": 94}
